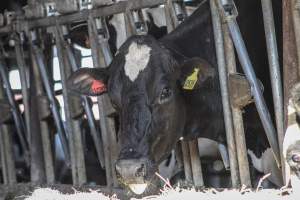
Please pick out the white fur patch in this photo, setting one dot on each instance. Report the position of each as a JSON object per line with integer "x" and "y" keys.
{"x": 136, "y": 60}
{"x": 291, "y": 109}
{"x": 292, "y": 135}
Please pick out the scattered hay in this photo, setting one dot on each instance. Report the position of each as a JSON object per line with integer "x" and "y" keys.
{"x": 51, "y": 194}
{"x": 172, "y": 194}
{"x": 212, "y": 194}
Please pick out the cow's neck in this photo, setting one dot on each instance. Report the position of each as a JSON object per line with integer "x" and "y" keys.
{"x": 194, "y": 37}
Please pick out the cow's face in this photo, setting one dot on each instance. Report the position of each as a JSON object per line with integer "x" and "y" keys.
{"x": 144, "y": 83}
{"x": 293, "y": 158}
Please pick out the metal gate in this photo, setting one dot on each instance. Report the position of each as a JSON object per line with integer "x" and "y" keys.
{"x": 34, "y": 55}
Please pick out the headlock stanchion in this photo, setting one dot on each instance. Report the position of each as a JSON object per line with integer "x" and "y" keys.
{"x": 237, "y": 116}
{"x": 65, "y": 43}
{"x": 175, "y": 14}
{"x": 18, "y": 44}
{"x": 18, "y": 120}
{"x": 229, "y": 12}
{"x": 73, "y": 111}
{"x": 101, "y": 58}
{"x": 232, "y": 150}
{"x": 274, "y": 71}
{"x": 6, "y": 145}
{"x": 39, "y": 59}
{"x": 41, "y": 164}
{"x": 135, "y": 21}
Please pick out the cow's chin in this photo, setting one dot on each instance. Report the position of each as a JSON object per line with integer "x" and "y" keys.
{"x": 138, "y": 188}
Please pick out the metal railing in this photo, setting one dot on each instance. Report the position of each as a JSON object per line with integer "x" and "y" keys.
{"x": 227, "y": 37}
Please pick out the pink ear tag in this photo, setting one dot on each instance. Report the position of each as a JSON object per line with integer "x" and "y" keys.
{"x": 98, "y": 87}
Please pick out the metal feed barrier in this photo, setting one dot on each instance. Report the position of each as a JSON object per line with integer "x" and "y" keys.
{"x": 40, "y": 104}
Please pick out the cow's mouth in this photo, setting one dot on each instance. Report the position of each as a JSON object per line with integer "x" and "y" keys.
{"x": 138, "y": 188}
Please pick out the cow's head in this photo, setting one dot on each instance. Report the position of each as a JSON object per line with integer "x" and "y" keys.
{"x": 145, "y": 83}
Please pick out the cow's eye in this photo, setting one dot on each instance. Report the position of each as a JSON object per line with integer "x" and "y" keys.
{"x": 296, "y": 158}
{"x": 165, "y": 95}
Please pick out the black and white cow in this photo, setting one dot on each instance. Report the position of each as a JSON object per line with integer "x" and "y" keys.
{"x": 162, "y": 90}
{"x": 291, "y": 143}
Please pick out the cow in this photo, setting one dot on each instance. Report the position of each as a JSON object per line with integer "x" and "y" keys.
{"x": 291, "y": 142}
{"x": 162, "y": 90}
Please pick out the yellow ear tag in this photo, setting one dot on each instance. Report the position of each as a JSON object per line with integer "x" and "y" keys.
{"x": 191, "y": 80}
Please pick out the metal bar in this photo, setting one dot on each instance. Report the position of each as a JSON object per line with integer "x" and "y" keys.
{"x": 237, "y": 116}
{"x": 234, "y": 169}
{"x": 250, "y": 74}
{"x": 83, "y": 15}
{"x": 88, "y": 111}
{"x": 47, "y": 151}
{"x": 24, "y": 83}
{"x": 274, "y": 71}
{"x": 7, "y": 158}
{"x": 196, "y": 164}
{"x": 19, "y": 123}
{"x": 107, "y": 126}
{"x": 46, "y": 134}
{"x": 6, "y": 155}
{"x": 186, "y": 162}
{"x": 36, "y": 91}
{"x": 296, "y": 27}
{"x": 38, "y": 56}
{"x": 79, "y": 170}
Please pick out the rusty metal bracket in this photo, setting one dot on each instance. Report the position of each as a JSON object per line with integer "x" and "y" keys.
{"x": 44, "y": 107}
{"x": 239, "y": 90}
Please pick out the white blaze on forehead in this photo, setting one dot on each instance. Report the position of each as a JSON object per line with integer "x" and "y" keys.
{"x": 136, "y": 60}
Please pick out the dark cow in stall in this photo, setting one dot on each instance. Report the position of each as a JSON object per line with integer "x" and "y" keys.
{"x": 162, "y": 90}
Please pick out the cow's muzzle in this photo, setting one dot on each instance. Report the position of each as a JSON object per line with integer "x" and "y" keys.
{"x": 133, "y": 173}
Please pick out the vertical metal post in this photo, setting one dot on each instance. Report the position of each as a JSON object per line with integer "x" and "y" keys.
{"x": 225, "y": 95}
{"x": 88, "y": 110}
{"x": 107, "y": 125}
{"x": 186, "y": 161}
{"x": 19, "y": 123}
{"x": 24, "y": 82}
{"x": 237, "y": 116}
{"x": 6, "y": 148}
{"x": 274, "y": 71}
{"x": 42, "y": 164}
{"x": 73, "y": 125}
{"x": 295, "y": 4}
{"x": 192, "y": 164}
{"x": 196, "y": 163}
{"x": 39, "y": 60}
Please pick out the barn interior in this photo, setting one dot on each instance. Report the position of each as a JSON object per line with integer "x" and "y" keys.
{"x": 51, "y": 137}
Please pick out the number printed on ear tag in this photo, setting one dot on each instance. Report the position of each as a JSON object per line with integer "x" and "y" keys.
{"x": 191, "y": 80}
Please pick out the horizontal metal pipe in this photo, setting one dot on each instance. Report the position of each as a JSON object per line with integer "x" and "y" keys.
{"x": 83, "y": 15}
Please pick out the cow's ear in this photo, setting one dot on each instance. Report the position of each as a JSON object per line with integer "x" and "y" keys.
{"x": 194, "y": 72}
{"x": 89, "y": 81}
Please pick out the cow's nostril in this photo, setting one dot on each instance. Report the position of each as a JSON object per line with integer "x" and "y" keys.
{"x": 140, "y": 171}
{"x": 296, "y": 158}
